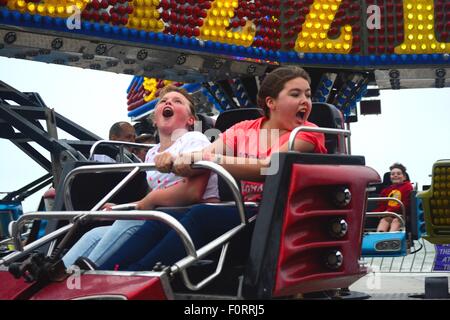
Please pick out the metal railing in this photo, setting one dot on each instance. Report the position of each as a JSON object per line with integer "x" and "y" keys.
{"x": 180, "y": 266}
{"x": 420, "y": 260}
{"x": 402, "y": 218}
{"x": 297, "y": 130}
{"x": 121, "y": 144}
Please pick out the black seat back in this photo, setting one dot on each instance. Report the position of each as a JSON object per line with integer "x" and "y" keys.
{"x": 326, "y": 115}
{"x": 230, "y": 117}
{"x": 206, "y": 122}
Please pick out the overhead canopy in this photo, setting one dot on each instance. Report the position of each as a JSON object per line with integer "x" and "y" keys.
{"x": 204, "y": 40}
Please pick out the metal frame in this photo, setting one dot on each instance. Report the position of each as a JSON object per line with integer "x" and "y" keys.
{"x": 116, "y": 215}
{"x": 402, "y": 218}
{"x": 24, "y": 117}
{"x": 121, "y": 145}
{"x": 75, "y": 217}
{"x": 297, "y": 130}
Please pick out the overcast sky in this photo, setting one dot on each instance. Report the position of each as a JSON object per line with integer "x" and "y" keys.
{"x": 414, "y": 127}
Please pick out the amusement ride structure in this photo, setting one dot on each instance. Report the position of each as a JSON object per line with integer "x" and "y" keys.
{"x": 309, "y": 237}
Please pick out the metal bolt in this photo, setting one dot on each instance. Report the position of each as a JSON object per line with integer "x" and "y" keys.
{"x": 10, "y": 37}
{"x": 181, "y": 59}
{"x": 101, "y": 49}
{"x": 142, "y": 54}
{"x": 57, "y": 44}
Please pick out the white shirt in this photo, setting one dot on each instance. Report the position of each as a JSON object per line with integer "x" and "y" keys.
{"x": 189, "y": 142}
{"x": 102, "y": 158}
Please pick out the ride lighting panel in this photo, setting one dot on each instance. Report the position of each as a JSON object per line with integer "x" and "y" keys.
{"x": 436, "y": 204}
{"x": 198, "y": 40}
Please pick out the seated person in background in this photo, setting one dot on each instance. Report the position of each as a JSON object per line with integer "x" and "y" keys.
{"x": 174, "y": 118}
{"x": 145, "y": 138}
{"x": 119, "y": 131}
{"x": 400, "y": 189}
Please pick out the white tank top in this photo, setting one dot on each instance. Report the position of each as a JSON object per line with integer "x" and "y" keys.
{"x": 189, "y": 142}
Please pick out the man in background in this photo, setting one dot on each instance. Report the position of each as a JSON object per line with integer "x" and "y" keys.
{"x": 119, "y": 131}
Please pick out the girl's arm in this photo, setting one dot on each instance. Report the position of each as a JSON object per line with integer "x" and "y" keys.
{"x": 187, "y": 191}
{"x": 240, "y": 168}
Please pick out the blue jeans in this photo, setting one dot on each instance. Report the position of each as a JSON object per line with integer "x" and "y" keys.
{"x": 138, "y": 244}
{"x": 204, "y": 223}
{"x": 99, "y": 243}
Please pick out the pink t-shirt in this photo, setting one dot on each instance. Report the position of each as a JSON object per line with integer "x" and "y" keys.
{"x": 243, "y": 139}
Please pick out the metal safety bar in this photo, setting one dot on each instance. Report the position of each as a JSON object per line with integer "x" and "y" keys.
{"x": 135, "y": 167}
{"x": 402, "y": 218}
{"x": 98, "y": 216}
{"x": 205, "y": 250}
{"x": 387, "y": 213}
{"x": 296, "y": 131}
{"x": 121, "y": 145}
{"x": 193, "y": 255}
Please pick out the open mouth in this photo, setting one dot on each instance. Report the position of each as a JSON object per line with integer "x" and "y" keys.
{"x": 301, "y": 115}
{"x": 167, "y": 112}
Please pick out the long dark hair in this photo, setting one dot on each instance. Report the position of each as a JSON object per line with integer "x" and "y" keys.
{"x": 274, "y": 82}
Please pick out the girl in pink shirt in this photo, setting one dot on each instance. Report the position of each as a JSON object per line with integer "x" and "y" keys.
{"x": 245, "y": 151}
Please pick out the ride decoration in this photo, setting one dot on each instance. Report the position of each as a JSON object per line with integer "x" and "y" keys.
{"x": 436, "y": 204}
{"x": 341, "y": 33}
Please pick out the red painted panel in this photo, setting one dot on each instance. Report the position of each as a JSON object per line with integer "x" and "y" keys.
{"x": 10, "y": 287}
{"x": 305, "y": 239}
{"x": 132, "y": 287}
